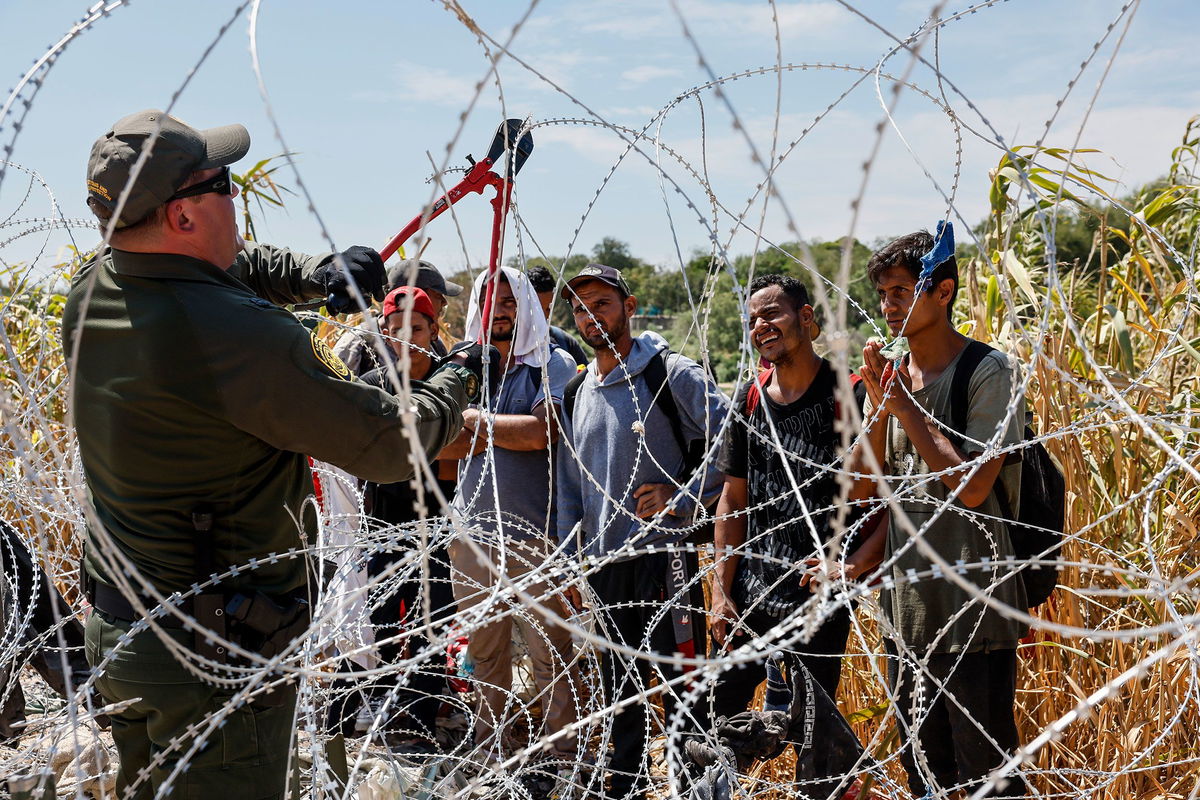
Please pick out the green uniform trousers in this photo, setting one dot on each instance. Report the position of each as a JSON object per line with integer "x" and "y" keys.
{"x": 244, "y": 759}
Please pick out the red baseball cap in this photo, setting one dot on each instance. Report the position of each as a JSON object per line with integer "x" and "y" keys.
{"x": 420, "y": 302}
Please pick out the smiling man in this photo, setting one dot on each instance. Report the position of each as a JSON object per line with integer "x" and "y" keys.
{"x": 953, "y": 665}
{"x": 780, "y": 458}
{"x": 777, "y": 512}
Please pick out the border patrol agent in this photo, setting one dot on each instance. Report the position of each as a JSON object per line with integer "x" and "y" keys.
{"x": 196, "y": 400}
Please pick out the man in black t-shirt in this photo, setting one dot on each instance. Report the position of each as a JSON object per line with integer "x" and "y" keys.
{"x": 777, "y": 515}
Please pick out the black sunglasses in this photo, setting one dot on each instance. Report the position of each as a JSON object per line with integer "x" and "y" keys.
{"x": 221, "y": 183}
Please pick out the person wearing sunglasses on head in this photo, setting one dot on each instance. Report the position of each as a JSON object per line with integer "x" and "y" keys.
{"x": 196, "y": 400}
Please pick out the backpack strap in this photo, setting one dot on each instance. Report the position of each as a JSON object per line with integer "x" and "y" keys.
{"x": 655, "y": 374}
{"x": 656, "y": 379}
{"x": 856, "y": 386}
{"x": 759, "y": 385}
{"x": 570, "y": 393}
{"x": 536, "y": 372}
{"x": 960, "y": 386}
{"x": 756, "y": 388}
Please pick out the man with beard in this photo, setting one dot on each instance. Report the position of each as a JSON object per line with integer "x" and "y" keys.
{"x": 777, "y": 513}
{"x": 504, "y": 503}
{"x": 634, "y": 421}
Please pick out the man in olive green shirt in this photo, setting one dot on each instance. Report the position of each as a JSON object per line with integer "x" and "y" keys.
{"x": 952, "y": 666}
{"x": 196, "y": 402}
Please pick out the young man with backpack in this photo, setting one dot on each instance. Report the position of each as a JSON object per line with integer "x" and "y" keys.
{"x": 953, "y": 658}
{"x": 635, "y": 476}
{"x": 778, "y": 515}
{"x": 504, "y": 504}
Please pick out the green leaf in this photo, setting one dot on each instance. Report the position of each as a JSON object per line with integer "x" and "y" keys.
{"x": 1061, "y": 646}
{"x": 1010, "y": 173}
{"x": 992, "y": 297}
{"x": 1191, "y": 351}
{"x": 870, "y": 712}
{"x": 1052, "y": 187}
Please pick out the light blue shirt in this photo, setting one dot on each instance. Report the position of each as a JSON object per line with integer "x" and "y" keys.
{"x": 513, "y": 486}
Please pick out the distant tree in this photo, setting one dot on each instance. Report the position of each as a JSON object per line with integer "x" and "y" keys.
{"x": 702, "y": 297}
{"x": 615, "y": 253}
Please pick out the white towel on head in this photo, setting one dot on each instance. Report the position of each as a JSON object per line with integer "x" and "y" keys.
{"x": 532, "y": 343}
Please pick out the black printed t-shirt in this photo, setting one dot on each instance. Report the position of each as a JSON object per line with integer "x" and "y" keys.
{"x": 778, "y": 535}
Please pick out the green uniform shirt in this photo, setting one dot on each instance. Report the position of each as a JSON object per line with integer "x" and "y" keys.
{"x": 193, "y": 390}
{"x": 934, "y": 614}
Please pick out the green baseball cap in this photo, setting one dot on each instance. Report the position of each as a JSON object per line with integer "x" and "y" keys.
{"x": 178, "y": 151}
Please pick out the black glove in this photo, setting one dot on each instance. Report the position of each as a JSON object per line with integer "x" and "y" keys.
{"x": 470, "y": 355}
{"x": 365, "y": 267}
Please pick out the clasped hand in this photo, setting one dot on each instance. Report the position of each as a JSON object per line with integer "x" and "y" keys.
{"x": 880, "y": 375}
{"x": 653, "y": 498}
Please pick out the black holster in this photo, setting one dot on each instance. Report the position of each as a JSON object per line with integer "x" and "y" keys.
{"x": 256, "y": 622}
{"x": 259, "y": 623}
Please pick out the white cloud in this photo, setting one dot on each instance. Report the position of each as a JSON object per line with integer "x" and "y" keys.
{"x": 730, "y": 17}
{"x": 649, "y": 72}
{"x": 427, "y": 84}
{"x": 644, "y": 112}
{"x": 630, "y": 19}
{"x": 596, "y": 144}
{"x": 560, "y": 67}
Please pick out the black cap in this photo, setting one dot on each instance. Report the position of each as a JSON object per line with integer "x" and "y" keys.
{"x": 179, "y": 150}
{"x": 427, "y": 278}
{"x": 597, "y": 272}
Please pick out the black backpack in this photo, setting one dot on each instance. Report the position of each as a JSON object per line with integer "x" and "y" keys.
{"x": 655, "y": 374}
{"x": 1037, "y": 531}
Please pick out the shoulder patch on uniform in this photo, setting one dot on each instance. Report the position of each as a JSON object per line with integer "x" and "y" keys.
{"x": 261, "y": 303}
{"x": 329, "y": 358}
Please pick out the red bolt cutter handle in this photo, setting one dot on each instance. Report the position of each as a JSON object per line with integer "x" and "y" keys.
{"x": 480, "y": 176}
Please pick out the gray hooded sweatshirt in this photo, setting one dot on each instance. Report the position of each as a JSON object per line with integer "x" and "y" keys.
{"x": 615, "y": 443}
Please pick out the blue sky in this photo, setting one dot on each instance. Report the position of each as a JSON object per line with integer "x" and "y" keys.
{"x": 366, "y": 93}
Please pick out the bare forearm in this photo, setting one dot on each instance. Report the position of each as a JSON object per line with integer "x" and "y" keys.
{"x": 866, "y": 458}
{"x": 465, "y": 444}
{"x": 729, "y": 535}
{"x": 869, "y": 555}
{"x": 516, "y": 431}
{"x": 507, "y": 431}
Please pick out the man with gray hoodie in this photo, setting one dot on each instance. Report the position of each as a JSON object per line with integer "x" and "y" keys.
{"x": 638, "y": 424}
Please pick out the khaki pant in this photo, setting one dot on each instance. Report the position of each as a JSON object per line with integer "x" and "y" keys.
{"x": 490, "y": 646}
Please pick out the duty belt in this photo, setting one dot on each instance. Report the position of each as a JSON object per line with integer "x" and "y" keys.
{"x": 110, "y": 600}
